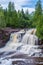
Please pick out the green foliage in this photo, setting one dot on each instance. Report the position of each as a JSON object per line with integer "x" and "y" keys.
{"x": 9, "y": 17}
{"x": 2, "y": 21}
{"x": 37, "y": 13}
{"x": 39, "y": 32}
{"x": 39, "y": 20}
{"x": 38, "y": 8}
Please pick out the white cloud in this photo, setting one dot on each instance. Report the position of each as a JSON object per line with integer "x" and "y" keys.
{"x": 25, "y": 8}
{"x": 4, "y": 6}
{"x": 18, "y": 4}
{"x": 29, "y": 9}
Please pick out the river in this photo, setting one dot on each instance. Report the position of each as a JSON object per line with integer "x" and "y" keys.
{"x": 22, "y": 49}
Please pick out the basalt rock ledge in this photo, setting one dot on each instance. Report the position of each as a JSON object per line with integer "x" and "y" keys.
{"x": 5, "y": 35}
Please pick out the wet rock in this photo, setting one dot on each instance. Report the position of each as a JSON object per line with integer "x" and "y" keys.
{"x": 5, "y": 35}
{"x": 40, "y": 42}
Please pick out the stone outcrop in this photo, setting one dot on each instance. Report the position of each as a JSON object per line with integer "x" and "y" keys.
{"x": 5, "y": 35}
{"x": 40, "y": 42}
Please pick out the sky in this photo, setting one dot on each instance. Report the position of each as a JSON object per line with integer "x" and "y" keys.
{"x": 19, "y": 4}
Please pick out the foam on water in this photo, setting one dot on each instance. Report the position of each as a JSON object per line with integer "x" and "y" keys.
{"x": 5, "y": 62}
{"x": 28, "y": 44}
{"x": 28, "y": 41}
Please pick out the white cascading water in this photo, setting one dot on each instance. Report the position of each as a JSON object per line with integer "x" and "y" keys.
{"x": 28, "y": 44}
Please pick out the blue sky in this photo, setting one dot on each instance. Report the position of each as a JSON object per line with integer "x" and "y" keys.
{"x": 19, "y": 4}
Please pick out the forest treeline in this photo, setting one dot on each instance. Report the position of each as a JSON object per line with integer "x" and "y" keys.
{"x": 9, "y": 17}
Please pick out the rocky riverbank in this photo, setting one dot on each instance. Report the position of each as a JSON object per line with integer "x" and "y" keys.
{"x": 5, "y": 35}
{"x": 23, "y": 53}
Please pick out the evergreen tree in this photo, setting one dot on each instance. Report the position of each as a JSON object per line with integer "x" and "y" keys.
{"x": 40, "y": 21}
{"x": 11, "y": 13}
{"x": 38, "y": 8}
{"x": 39, "y": 32}
{"x": 38, "y": 13}
{"x": 2, "y": 21}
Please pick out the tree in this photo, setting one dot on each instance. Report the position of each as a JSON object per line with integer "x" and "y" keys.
{"x": 2, "y": 21}
{"x": 27, "y": 16}
{"x": 38, "y": 8}
{"x": 39, "y": 32}
{"x": 10, "y": 6}
{"x": 22, "y": 20}
{"x": 38, "y": 13}
{"x": 11, "y": 14}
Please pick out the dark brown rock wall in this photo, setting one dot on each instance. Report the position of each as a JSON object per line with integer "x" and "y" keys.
{"x": 5, "y": 35}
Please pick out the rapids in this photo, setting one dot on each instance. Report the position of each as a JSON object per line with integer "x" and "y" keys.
{"x": 22, "y": 42}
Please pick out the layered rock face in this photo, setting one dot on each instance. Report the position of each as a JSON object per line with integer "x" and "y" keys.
{"x": 5, "y": 35}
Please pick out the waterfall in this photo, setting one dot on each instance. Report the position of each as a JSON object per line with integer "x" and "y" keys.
{"x": 14, "y": 42}
{"x": 21, "y": 43}
{"x": 30, "y": 39}
{"x": 20, "y": 39}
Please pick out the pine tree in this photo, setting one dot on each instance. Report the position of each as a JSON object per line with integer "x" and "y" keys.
{"x": 38, "y": 8}
{"x": 2, "y": 21}
{"x": 40, "y": 20}
{"x": 38, "y": 13}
